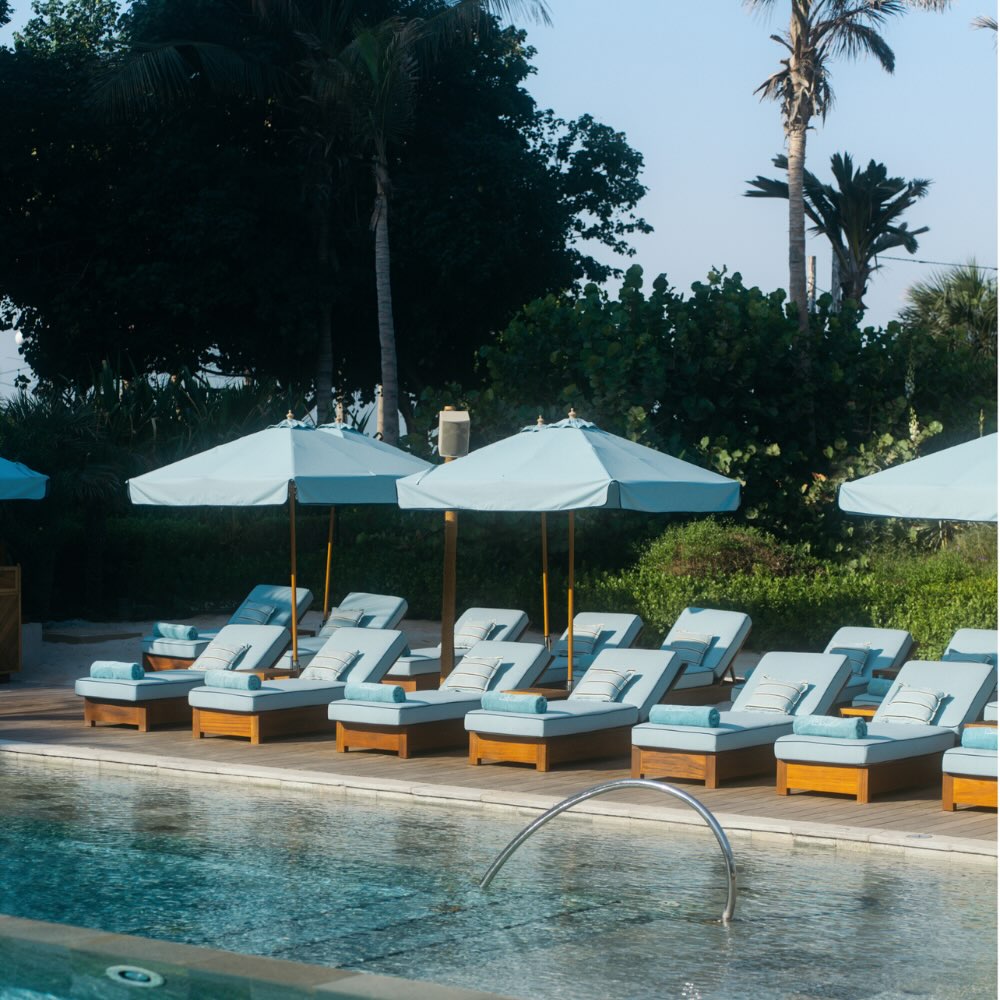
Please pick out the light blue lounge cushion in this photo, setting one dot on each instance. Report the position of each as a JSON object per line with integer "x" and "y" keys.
{"x": 735, "y": 731}
{"x": 774, "y": 694}
{"x": 254, "y": 613}
{"x": 154, "y": 686}
{"x": 883, "y": 743}
{"x": 562, "y": 718}
{"x": 911, "y": 705}
{"x": 167, "y": 630}
{"x": 825, "y": 674}
{"x": 364, "y": 691}
{"x": 341, "y": 618}
{"x": 500, "y": 701}
{"x": 473, "y": 674}
{"x": 241, "y": 681}
{"x": 966, "y": 686}
{"x": 857, "y": 655}
{"x": 825, "y": 725}
{"x": 685, "y": 715}
{"x": 276, "y": 596}
{"x": 980, "y": 737}
{"x": 878, "y": 687}
{"x": 618, "y": 631}
{"x": 220, "y": 655}
{"x": 116, "y": 670}
{"x": 273, "y": 695}
{"x": 728, "y": 631}
{"x": 380, "y": 610}
{"x": 602, "y": 683}
{"x": 690, "y": 646}
{"x": 972, "y": 645}
{"x": 585, "y": 638}
{"x": 970, "y": 762}
{"x": 888, "y": 649}
{"x": 330, "y": 664}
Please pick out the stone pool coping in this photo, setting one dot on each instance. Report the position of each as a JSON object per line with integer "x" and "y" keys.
{"x": 758, "y": 829}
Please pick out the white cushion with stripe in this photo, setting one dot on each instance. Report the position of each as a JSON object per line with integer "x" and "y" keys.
{"x": 341, "y": 618}
{"x": 602, "y": 684}
{"x": 912, "y": 706}
{"x": 218, "y": 656}
{"x": 690, "y": 646}
{"x": 468, "y": 634}
{"x": 330, "y": 666}
{"x": 772, "y": 695}
{"x": 473, "y": 674}
{"x": 584, "y": 640}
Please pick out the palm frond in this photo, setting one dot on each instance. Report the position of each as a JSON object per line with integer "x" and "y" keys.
{"x": 853, "y": 39}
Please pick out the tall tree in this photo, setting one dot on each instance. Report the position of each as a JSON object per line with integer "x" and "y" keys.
{"x": 819, "y": 31}
{"x": 859, "y": 216}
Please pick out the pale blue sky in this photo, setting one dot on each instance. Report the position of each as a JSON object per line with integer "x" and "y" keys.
{"x": 678, "y": 78}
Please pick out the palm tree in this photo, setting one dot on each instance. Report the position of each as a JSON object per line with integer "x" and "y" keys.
{"x": 819, "y": 31}
{"x": 859, "y": 216}
{"x": 958, "y": 305}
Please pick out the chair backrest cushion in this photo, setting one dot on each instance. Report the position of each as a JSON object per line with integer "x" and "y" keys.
{"x": 888, "y": 648}
{"x": 653, "y": 671}
{"x": 825, "y": 673}
{"x": 377, "y": 648}
{"x": 264, "y": 643}
{"x": 976, "y": 645}
{"x": 966, "y": 688}
{"x": 521, "y": 663}
{"x": 617, "y": 631}
{"x": 269, "y": 595}
{"x": 381, "y": 610}
{"x": 728, "y": 629}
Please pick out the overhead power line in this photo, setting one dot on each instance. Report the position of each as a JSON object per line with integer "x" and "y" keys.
{"x": 938, "y": 263}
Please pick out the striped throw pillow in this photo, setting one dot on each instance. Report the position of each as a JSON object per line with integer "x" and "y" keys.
{"x": 772, "y": 695}
{"x": 602, "y": 684}
{"x": 467, "y": 635}
{"x": 690, "y": 646}
{"x": 473, "y": 674}
{"x": 253, "y": 613}
{"x": 989, "y": 658}
{"x": 912, "y": 706}
{"x": 330, "y": 666}
{"x": 584, "y": 640}
{"x": 218, "y": 656}
{"x": 341, "y": 618}
{"x": 857, "y": 656}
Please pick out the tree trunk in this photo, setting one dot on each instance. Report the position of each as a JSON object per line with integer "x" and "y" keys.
{"x": 324, "y": 353}
{"x": 386, "y": 330}
{"x": 797, "y": 222}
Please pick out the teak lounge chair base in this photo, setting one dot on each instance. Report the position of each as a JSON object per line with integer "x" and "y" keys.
{"x": 402, "y": 740}
{"x": 861, "y": 782}
{"x": 545, "y": 751}
{"x": 154, "y": 661}
{"x": 259, "y": 726}
{"x": 711, "y": 768}
{"x": 964, "y": 790}
{"x": 422, "y": 682}
{"x": 143, "y": 715}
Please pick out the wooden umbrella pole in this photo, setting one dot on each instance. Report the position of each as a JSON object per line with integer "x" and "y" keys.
{"x": 569, "y": 611}
{"x": 545, "y": 582}
{"x": 295, "y": 602}
{"x": 329, "y": 559}
{"x": 448, "y": 591}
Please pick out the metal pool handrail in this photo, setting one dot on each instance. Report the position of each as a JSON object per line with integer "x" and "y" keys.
{"x": 612, "y": 786}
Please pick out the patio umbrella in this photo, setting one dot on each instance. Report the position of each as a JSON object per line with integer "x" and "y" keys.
{"x": 287, "y": 462}
{"x": 568, "y": 466}
{"x": 956, "y": 484}
{"x": 18, "y": 482}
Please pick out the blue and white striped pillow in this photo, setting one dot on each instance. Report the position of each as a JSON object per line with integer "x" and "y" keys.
{"x": 341, "y": 618}
{"x": 330, "y": 666}
{"x": 690, "y": 646}
{"x": 602, "y": 684}
{"x": 253, "y": 613}
{"x": 468, "y": 634}
{"x": 912, "y": 706}
{"x": 217, "y": 656}
{"x": 473, "y": 674}
{"x": 771, "y": 695}
{"x": 857, "y": 656}
{"x": 584, "y": 640}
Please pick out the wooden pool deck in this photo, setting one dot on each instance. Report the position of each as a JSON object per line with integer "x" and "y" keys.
{"x": 41, "y": 720}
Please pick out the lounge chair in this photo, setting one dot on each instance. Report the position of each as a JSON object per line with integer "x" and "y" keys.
{"x": 161, "y": 697}
{"x": 420, "y": 669}
{"x": 593, "y": 632}
{"x": 356, "y": 610}
{"x": 969, "y": 773}
{"x": 868, "y": 650}
{"x": 297, "y": 705}
{"x": 707, "y": 642}
{"x": 894, "y": 754}
{"x": 266, "y": 604}
{"x": 589, "y": 723}
{"x": 435, "y": 720}
{"x": 742, "y": 743}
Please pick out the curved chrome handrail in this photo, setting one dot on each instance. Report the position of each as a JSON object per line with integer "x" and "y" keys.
{"x": 612, "y": 786}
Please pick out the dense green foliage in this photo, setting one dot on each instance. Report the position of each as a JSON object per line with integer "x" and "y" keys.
{"x": 798, "y": 603}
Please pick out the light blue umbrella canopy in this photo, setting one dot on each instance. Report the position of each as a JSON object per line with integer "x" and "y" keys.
{"x": 18, "y": 482}
{"x": 568, "y": 465}
{"x": 956, "y": 484}
{"x": 332, "y": 465}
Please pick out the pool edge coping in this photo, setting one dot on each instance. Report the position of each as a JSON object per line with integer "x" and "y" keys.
{"x": 757, "y": 828}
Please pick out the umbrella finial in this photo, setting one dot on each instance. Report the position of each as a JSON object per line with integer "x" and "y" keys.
{"x": 540, "y": 421}
{"x": 572, "y": 413}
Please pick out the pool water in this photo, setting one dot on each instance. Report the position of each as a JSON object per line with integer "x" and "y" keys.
{"x": 583, "y": 910}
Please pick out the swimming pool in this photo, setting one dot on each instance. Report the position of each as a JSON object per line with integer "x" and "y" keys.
{"x": 586, "y": 909}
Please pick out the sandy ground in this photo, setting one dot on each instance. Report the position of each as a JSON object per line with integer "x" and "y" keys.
{"x": 67, "y": 650}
